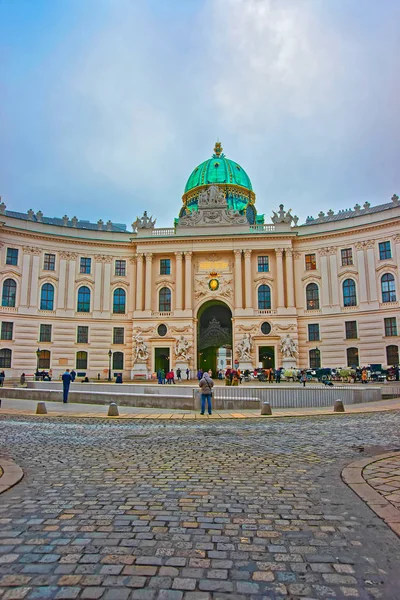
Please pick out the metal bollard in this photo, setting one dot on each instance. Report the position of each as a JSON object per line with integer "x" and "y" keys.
{"x": 113, "y": 410}
{"x": 41, "y": 408}
{"x": 266, "y": 408}
{"x": 338, "y": 406}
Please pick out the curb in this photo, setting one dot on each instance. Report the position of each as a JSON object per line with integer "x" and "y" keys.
{"x": 12, "y": 474}
{"x": 352, "y": 476}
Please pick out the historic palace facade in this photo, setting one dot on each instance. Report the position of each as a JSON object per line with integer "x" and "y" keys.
{"x": 219, "y": 286}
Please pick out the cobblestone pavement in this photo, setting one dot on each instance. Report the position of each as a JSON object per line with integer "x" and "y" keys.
{"x": 384, "y": 477}
{"x": 193, "y": 510}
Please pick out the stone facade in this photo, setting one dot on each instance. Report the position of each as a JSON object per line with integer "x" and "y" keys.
{"x": 98, "y": 288}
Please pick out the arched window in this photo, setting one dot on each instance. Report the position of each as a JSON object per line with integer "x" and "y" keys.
{"x": 81, "y": 360}
{"x": 5, "y": 358}
{"x": 315, "y": 358}
{"x": 164, "y": 303}
{"x": 312, "y": 296}
{"x": 47, "y": 297}
{"x": 349, "y": 293}
{"x": 44, "y": 359}
{"x": 118, "y": 361}
{"x": 388, "y": 288}
{"x": 352, "y": 357}
{"x": 392, "y": 355}
{"x": 9, "y": 293}
{"x": 83, "y": 299}
{"x": 119, "y": 301}
{"x": 264, "y": 297}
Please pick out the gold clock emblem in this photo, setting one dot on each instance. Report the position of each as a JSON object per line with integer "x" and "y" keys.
{"x": 213, "y": 284}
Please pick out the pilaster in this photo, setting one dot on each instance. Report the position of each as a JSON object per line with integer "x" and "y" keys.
{"x": 149, "y": 283}
{"x": 179, "y": 273}
{"x": 188, "y": 281}
{"x": 238, "y": 279}
{"x": 248, "y": 279}
{"x": 280, "y": 278}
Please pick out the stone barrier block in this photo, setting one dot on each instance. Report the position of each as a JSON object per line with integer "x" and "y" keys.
{"x": 338, "y": 406}
{"x": 113, "y": 410}
{"x": 41, "y": 408}
{"x": 266, "y": 408}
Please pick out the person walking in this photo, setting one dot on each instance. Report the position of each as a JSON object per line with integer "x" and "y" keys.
{"x": 66, "y": 379}
{"x": 188, "y": 374}
{"x": 278, "y": 375}
{"x": 364, "y": 376}
{"x": 179, "y": 374}
{"x": 22, "y": 380}
{"x": 199, "y": 374}
{"x": 2, "y": 378}
{"x": 206, "y": 385}
{"x": 303, "y": 378}
{"x": 73, "y": 375}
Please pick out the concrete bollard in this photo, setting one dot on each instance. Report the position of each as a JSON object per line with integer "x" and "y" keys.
{"x": 338, "y": 406}
{"x": 41, "y": 408}
{"x": 266, "y": 408}
{"x": 113, "y": 410}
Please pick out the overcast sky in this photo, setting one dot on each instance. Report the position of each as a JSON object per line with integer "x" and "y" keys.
{"x": 106, "y": 106}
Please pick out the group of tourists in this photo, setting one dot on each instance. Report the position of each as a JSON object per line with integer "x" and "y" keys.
{"x": 169, "y": 376}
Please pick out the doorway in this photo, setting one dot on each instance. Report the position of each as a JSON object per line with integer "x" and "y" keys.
{"x": 266, "y": 357}
{"x": 214, "y": 336}
{"x": 161, "y": 359}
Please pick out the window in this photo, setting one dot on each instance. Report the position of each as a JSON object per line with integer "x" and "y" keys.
{"x": 118, "y": 335}
{"x": 85, "y": 265}
{"x": 162, "y": 330}
{"x": 9, "y": 293}
{"x": 352, "y": 357}
{"x": 44, "y": 359}
{"x": 392, "y": 355}
{"x": 384, "y": 250}
{"x": 311, "y": 263}
{"x": 120, "y": 268}
{"x": 312, "y": 296}
{"x": 347, "y": 256}
{"x": 81, "y": 360}
{"x": 315, "y": 358}
{"x": 264, "y": 297}
{"x": 266, "y": 328}
{"x": 165, "y": 266}
{"x": 390, "y": 327}
{"x": 83, "y": 299}
{"x": 47, "y": 297}
{"x": 164, "y": 304}
{"x": 263, "y": 264}
{"x": 82, "y": 334}
{"x": 49, "y": 263}
{"x": 12, "y": 256}
{"x": 388, "y": 288}
{"x": 7, "y": 330}
{"x": 118, "y": 361}
{"x": 5, "y": 358}
{"x": 45, "y": 333}
{"x": 351, "y": 330}
{"x": 349, "y": 293}
{"x": 119, "y": 301}
{"x": 313, "y": 332}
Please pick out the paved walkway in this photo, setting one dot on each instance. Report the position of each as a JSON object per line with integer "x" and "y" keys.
{"x": 193, "y": 510}
{"x": 28, "y": 407}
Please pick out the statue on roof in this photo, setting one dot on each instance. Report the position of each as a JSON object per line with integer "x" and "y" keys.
{"x": 144, "y": 222}
{"x": 284, "y": 217}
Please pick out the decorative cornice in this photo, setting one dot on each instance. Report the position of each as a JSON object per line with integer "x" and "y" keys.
{"x": 68, "y": 255}
{"x": 188, "y": 255}
{"x": 32, "y": 250}
{"x": 247, "y": 253}
{"x": 279, "y": 251}
{"x": 238, "y": 254}
{"x": 148, "y": 256}
{"x": 263, "y": 278}
{"x": 311, "y": 275}
{"x": 179, "y": 255}
{"x": 103, "y": 258}
{"x": 386, "y": 267}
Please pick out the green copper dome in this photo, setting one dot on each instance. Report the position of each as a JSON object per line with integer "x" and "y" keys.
{"x": 218, "y": 169}
{"x": 227, "y": 175}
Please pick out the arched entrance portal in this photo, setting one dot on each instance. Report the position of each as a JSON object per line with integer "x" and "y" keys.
{"x": 214, "y": 336}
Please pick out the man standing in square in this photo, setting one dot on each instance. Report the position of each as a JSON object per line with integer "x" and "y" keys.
{"x": 66, "y": 379}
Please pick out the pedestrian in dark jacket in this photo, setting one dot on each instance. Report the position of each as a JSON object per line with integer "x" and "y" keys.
{"x": 66, "y": 379}
{"x": 206, "y": 385}
{"x": 73, "y": 375}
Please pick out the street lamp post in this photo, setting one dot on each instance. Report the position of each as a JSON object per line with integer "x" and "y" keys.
{"x": 38, "y": 352}
{"x": 109, "y": 365}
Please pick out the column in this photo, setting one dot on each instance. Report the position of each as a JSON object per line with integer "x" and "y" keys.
{"x": 188, "y": 280}
{"x": 334, "y": 276}
{"x": 132, "y": 278}
{"x": 361, "y": 272}
{"x": 280, "y": 276}
{"x": 107, "y": 284}
{"x": 139, "y": 282}
{"x": 98, "y": 283}
{"x": 325, "y": 297}
{"x": 33, "y": 301}
{"x": 61, "y": 299}
{"x": 248, "y": 290}
{"x": 149, "y": 284}
{"x": 71, "y": 269}
{"x": 289, "y": 278}
{"x": 238, "y": 278}
{"x": 397, "y": 257}
{"x": 179, "y": 273}
{"x": 373, "y": 289}
{"x": 25, "y": 279}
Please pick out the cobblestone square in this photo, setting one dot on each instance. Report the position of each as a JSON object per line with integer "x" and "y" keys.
{"x": 196, "y": 510}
